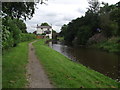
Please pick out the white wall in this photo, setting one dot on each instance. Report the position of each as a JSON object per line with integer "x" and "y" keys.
{"x": 50, "y": 35}
{"x": 40, "y": 31}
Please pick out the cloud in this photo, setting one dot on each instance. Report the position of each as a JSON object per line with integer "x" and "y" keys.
{"x": 58, "y": 12}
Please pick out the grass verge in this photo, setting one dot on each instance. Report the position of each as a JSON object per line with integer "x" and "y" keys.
{"x": 14, "y": 66}
{"x": 111, "y": 45}
{"x": 64, "y": 73}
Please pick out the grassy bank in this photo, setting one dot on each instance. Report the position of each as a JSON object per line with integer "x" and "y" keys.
{"x": 110, "y": 45}
{"x": 67, "y": 74}
{"x": 13, "y": 63}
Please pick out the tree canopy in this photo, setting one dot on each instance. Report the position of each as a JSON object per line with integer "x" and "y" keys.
{"x": 45, "y": 24}
{"x": 104, "y": 20}
{"x": 13, "y": 26}
{"x": 20, "y": 10}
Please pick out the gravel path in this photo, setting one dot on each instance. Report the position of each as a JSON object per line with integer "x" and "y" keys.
{"x": 36, "y": 75}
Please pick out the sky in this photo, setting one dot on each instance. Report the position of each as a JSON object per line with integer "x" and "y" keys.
{"x": 59, "y": 12}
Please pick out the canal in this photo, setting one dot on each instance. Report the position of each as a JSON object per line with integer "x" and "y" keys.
{"x": 98, "y": 60}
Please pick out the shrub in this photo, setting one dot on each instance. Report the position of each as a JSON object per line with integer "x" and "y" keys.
{"x": 27, "y": 37}
{"x": 12, "y": 35}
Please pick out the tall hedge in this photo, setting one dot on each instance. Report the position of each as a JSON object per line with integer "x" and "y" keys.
{"x": 12, "y": 34}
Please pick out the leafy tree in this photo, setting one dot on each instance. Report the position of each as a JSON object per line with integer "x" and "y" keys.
{"x": 14, "y": 32}
{"x": 63, "y": 30}
{"x": 53, "y": 31}
{"x": 18, "y": 9}
{"x": 106, "y": 18}
{"x": 94, "y": 6}
{"x": 21, "y": 25}
{"x": 13, "y": 14}
{"x": 108, "y": 26}
{"x": 45, "y": 24}
{"x": 83, "y": 35}
{"x": 115, "y": 16}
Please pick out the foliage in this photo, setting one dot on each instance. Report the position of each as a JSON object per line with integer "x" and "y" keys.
{"x": 105, "y": 18}
{"x": 13, "y": 14}
{"x": 27, "y": 37}
{"x": 63, "y": 30}
{"x": 83, "y": 35}
{"x": 43, "y": 34}
{"x": 45, "y": 24}
{"x": 94, "y": 6}
{"x": 7, "y": 40}
{"x": 111, "y": 45}
{"x": 21, "y": 25}
{"x": 115, "y": 16}
{"x": 11, "y": 33}
{"x": 18, "y": 9}
{"x": 53, "y": 31}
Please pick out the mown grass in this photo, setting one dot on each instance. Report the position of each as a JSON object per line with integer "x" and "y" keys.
{"x": 14, "y": 66}
{"x": 64, "y": 73}
{"x": 111, "y": 45}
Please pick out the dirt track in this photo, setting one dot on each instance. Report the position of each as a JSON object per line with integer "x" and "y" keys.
{"x": 36, "y": 75}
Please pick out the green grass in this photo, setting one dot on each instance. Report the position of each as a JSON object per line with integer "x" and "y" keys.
{"x": 64, "y": 73}
{"x": 14, "y": 66}
{"x": 111, "y": 45}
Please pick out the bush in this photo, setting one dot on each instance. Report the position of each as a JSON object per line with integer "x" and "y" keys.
{"x": 12, "y": 34}
{"x": 27, "y": 37}
{"x": 7, "y": 40}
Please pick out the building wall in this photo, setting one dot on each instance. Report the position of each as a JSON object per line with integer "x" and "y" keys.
{"x": 40, "y": 31}
{"x": 50, "y": 35}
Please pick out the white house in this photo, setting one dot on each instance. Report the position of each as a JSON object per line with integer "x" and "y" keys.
{"x": 44, "y": 30}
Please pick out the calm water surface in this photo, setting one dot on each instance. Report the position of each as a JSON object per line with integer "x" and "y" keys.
{"x": 101, "y": 61}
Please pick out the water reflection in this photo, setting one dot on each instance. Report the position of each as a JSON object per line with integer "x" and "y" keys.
{"x": 106, "y": 63}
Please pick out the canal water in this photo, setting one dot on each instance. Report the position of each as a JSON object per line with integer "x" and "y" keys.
{"x": 101, "y": 61}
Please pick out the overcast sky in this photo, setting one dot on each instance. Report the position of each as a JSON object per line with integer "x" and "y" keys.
{"x": 59, "y": 12}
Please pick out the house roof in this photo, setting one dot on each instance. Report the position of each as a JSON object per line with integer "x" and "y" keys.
{"x": 48, "y": 27}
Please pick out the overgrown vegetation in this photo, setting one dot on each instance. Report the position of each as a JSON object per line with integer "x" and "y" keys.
{"x": 14, "y": 32}
{"x": 104, "y": 20}
{"x": 110, "y": 45}
{"x": 13, "y": 26}
{"x": 67, "y": 74}
{"x": 14, "y": 66}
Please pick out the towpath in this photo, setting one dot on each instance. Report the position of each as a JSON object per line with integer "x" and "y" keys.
{"x": 36, "y": 75}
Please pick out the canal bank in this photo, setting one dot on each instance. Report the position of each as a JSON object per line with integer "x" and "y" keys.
{"x": 96, "y": 59}
{"x": 64, "y": 73}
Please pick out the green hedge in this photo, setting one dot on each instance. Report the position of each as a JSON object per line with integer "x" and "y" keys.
{"x": 12, "y": 34}
{"x": 27, "y": 37}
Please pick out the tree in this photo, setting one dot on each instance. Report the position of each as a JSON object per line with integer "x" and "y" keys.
{"x": 94, "y": 6}
{"x": 13, "y": 29}
{"x": 45, "y": 24}
{"x": 108, "y": 26}
{"x": 22, "y": 10}
{"x": 21, "y": 25}
{"x": 115, "y": 16}
{"x": 63, "y": 30}
{"x": 19, "y": 10}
